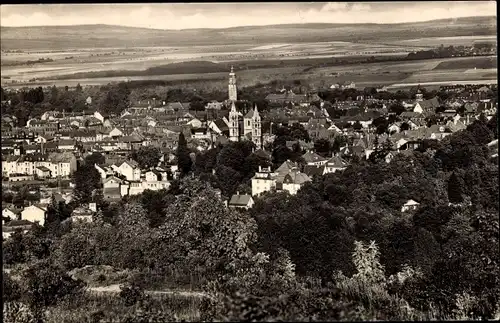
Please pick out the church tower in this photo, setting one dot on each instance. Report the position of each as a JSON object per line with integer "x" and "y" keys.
{"x": 252, "y": 127}
{"x": 234, "y": 132}
{"x": 233, "y": 96}
{"x": 257, "y": 131}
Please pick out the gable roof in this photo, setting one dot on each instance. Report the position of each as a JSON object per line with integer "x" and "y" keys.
{"x": 240, "y": 200}
{"x": 286, "y": 167}
{"x": 336, "y": 161}
{"x": 112, "y": 177}
{"x": 312, "y": 170}
{"x": 132, "y": 163}
{"x": 296, "y": 177}
{"x": 312, "y": 157}
{"x": 430, "y": 104}
{"x": 411, "y": 202}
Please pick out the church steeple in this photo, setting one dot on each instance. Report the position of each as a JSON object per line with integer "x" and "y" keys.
{"x": 234, "y": 132}
{"x": 232, "y": 90}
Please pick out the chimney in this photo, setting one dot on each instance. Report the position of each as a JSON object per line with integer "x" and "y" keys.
{"x": 237, "y": 192}
{"x": 260, "y": 168}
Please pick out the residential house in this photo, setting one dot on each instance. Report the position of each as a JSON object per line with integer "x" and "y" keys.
{"x": 44, "y": 139}
{"x": 427, "y": 107}
{"x": 334, "y": 164}
{"x": 42, "y": 172}
{"x": 12, "y": 213}
{"x": 214, "y": 105}
{"x": 241, "y": 201}
{"x": 16, "y": 225}
{"x": 219, "y": 126}
{"x": 84, "y": 213}
{"x": 116, "y": 132}
{"x": 195, "y": 123}
{"x": 156, "y": 180}
{"x": 66, "y": 144}
{"x": 311, "y": 158}
{"x": 411, "y": 205}
{"x": 112, "y": 188}
{"x": 130, "y": 169}
{"x": 263, "y": 181}
{"x": 35, "y": 213}
{"x": 101, "y": 116}
{"x": 294, "y": 180}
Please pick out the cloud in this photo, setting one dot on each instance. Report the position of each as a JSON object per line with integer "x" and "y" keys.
{"x": 223, "y": 15}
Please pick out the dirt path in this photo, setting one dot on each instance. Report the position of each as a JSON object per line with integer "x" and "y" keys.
{"x": 115, "y": 288}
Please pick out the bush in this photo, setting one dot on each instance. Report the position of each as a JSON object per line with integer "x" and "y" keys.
{"x": 131, "y": 294}
{"x": 11, "y": 289}
{"x": 45, "y": 284}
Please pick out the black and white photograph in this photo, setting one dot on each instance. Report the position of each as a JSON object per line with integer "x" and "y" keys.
{"x": 249, "y": 162}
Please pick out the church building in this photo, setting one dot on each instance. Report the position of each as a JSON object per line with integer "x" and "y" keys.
{"x": 241, "y": 127}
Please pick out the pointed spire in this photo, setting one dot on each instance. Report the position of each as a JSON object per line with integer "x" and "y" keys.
{"x": 232, "y": 69}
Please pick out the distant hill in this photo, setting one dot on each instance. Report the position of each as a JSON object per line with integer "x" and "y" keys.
{"x": 92, "y": 36}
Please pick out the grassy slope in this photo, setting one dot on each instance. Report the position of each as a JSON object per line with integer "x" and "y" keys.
{"x": 469, "y": 63}
{"x": 92, "y": 36}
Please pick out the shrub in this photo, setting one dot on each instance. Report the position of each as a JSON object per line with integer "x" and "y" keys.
{"x": 45, "y": 284}
{"x": 10, "y": 289}
{"x": 131, "y": 294}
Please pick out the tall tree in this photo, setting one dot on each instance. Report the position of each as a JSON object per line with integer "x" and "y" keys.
{"x": 147, "y": 157}
{"x": 455, "y": 189}
{"x": 86, "y": 179}
{"x": 184, "y": 161}
{"x": 322, "y": 147}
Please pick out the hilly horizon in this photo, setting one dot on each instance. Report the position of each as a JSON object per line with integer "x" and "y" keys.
{"x": 92, "y": 36}
{"x": 320, "y": 24}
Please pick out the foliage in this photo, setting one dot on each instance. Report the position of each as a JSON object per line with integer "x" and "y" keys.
{"x": 87, "y": 180}
{"x": 147, "y": 157}
{"x": 10, "y": 288}
{"x": 13, "y": 249}
{"x": 45, "y": 284}
{"x": 131, "y": 294}
{"x": 184, "y": 161}
{"x": 95, "y": 158}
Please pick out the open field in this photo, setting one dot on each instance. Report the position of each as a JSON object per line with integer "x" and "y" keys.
{"x": 373, "y": 74}
{"x": 100, "y": 54}
{"x": 73, "y": 62}
{"x": 446, "y": 41}
{"x": 469, "y": 63}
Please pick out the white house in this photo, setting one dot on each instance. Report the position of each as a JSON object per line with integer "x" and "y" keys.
{"x": 34, "y": 213}
{"x": 411, "y": 205}
{"x": 116, "y": 132}
{"x": 335, "y": 164}
{"x": 11, "y": 213}
{"x": 130, "y": 169}
{"x": 100, "y": 116}
{"x": 195, "y": 123}
{"x": 263, "y": 181}
{"x": 294, "y": 181}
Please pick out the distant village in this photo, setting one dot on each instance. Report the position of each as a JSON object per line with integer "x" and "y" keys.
{"x": 48, "y": 150}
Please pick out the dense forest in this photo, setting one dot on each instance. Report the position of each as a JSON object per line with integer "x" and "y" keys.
{"x": 341, "y": 249}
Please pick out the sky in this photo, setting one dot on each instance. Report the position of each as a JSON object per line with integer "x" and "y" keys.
{"x": 224, "y": 15}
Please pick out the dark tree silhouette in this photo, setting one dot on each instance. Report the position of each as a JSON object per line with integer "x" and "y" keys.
{"x": 183, "y": 159}
{"x": 455, "y": 188}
